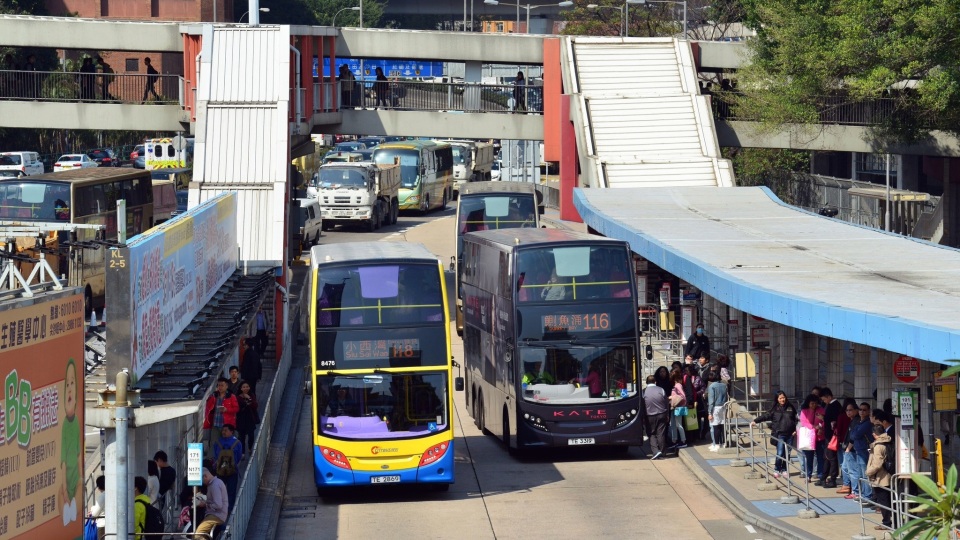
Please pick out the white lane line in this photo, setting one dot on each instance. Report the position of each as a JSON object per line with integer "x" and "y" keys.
{"x": 750, "y": 529}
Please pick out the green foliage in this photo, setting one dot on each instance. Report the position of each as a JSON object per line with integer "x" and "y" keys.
{"x": 281, "y": 12}
{"x": 704, "y": 19}
{"x": 856, "y": 48}
{"x": 939, "y": 510}
{"x": 23, "y": 7}
{"x": 324, "y": 10}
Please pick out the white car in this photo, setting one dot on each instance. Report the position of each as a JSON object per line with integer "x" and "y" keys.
{"x": 17, "y": 164}
{"x": 495, "y": 170}
{"x": 69, "y": 162}
{"x": 309, "y": 223}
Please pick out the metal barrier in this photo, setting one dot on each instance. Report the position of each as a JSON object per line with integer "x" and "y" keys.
{"x": 436, "y": 96}
{"x": 61, "y": 86}
{"x": 174, "y": 535}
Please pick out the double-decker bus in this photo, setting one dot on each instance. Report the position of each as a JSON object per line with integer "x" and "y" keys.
{"x": 82, "y": 197}
{"x": 382, "y": 372}
{"x": 550, "y": 338}
{"x": 493, "y": 205}
{"x": 426, "y": 172}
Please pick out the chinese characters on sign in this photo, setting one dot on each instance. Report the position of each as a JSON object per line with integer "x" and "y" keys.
{"x": 381, "y": 349}
{"x": 586, "y": 322}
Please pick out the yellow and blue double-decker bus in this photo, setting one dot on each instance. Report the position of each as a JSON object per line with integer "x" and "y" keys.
{"x": 382, "y": 373}
{"x": 426, "y": 172}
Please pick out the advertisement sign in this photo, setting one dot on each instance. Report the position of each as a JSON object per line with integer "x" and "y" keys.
{"x": 944, "y": 392}
{"x": 906, "y": 369}
{"x": 41, "y": 421}
{"x": 194, "y": 464}
{"x": 733, "y": 333}
{"x": 391, "y": 67}
{"x": 759, "y": 336}
{"x": 161, "y": 279}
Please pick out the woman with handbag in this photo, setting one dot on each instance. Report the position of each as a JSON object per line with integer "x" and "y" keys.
{"x": 678, "y": 405}
{"x": 783, "y": 419}
{"x": 810, "y": 434}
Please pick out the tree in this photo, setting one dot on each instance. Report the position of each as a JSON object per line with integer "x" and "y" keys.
{"x": 939, "y": 509}
{"x": 324, "y": 11}
{"x": 857, "y": 49}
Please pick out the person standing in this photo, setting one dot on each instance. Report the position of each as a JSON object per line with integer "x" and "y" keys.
{"x": 346, "y": 87}
{"x": 168, "y": 476}
{"x": 153, "y": 482}
{"x": 519, "y": 93}
{"x": 382, "y": 89}
{"x": 698, "y": 345}
{"x": 233, "y": 383}
{"x": 658, "y": 415}
{"x": 216, "y": 505}
{"x": 220, "y": 409}
{"x": 87, "y": 79}
{"x": 263, "y": 325}
{"x": 251, "y": 369}
{"x": 106, "y": 78}
{"x": 249, "y": 415}
{"x": 783, "y": 419}
{"x": 716, "y": 410}
{"x": 878, "y": 475}
{"x": 140, "y": 502}
{"x": 861, "y": 435}
{"x": 228, "y": 452}
{"x": 99, "y": 505}
{"x": 31, "y": 79}
{"x": 811, "y": 419}
{"x": 832, "y": 424}
{"x": 152, "y": 76}
{"x": 678, "y": 402}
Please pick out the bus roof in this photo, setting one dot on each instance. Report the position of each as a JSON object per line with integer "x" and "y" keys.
{"x": 408, "y": 145}
{"x": 507, "y": 239}
{"x": 474, "y": 188}
{"x": 83, "y": 175}
{"x": 369, "y": 251}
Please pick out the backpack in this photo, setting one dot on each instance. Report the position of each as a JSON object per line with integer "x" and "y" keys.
{"x": 889, "y": 464}
{"x": 226, "y": 463}
{"x": 153, "y": 522}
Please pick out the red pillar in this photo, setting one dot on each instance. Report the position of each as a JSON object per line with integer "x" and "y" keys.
{"x": 306, "y": 75}
{"x": 568, "y": 163}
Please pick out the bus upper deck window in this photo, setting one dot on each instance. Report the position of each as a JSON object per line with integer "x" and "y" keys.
{"x": 496, "y": 206}
{"x": 379, "y": 281}
{"x": 572, "y": 261}
{"x": 32, "y": 193}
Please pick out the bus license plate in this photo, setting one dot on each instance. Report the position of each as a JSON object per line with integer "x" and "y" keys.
{"x": 385, "y": 479}
{"x": 574, "y": 442}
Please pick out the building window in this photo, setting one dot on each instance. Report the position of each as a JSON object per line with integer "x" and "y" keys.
{"x": 132, "y": 65}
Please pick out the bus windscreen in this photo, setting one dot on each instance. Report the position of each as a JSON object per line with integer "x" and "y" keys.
{"x": 572, "y": 273}
{"x": 409, "y": 161}
{"x": 570, "y": 374}
{"x": 35, "y": 201}
{"x": 489, "y": 212}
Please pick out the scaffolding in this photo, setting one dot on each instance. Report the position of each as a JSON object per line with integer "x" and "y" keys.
{"x": 28, "y": 247}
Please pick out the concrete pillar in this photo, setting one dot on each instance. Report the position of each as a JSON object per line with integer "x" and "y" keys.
{"x": 885, "y": 380}
{"x": 809, "y": 363}
{"x": 862, "y": 376}
{"x": 786, "y": 347}
{"x": 835, "y": 366}
{"x": 473, "y": 72}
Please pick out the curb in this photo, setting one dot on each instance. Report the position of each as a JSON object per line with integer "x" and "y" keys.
{"x": 695, "y": 464}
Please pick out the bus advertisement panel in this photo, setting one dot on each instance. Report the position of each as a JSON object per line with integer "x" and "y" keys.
{"x": 41, "y": 447}
{"x": 382, "y": 368}
{"x": 162, "y": 278}
{"x": 551, "y": 338}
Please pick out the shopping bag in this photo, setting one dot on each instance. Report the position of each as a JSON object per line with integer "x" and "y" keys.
{"x": 806, "y": 438}
{"x": 691, "y": 423}
{"x": 834, "y": 443}
{"x": 90, "y": 529}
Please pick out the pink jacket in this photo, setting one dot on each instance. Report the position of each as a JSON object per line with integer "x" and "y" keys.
{"x": 813, "y": 420}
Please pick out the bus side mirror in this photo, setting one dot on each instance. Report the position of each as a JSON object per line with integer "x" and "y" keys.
{"x": 453, "y": 262}
{"x": 458, "y": 384}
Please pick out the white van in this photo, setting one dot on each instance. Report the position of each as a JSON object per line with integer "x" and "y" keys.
{"x": 17, "y": 164}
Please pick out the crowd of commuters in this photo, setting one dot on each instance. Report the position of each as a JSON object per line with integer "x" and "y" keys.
{"x": 94, "y": 79}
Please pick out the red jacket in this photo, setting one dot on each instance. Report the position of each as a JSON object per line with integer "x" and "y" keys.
{"x": 230, "y": 408}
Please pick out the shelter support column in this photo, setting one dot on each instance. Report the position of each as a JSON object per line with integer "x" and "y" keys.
{"x": 786, "y": 345}
{"x": 835, "y": 366}
{"x": 809, "y": 363}
{"x": 884, "y": 375}
{"x": 862, "y": 379}
{"x": 473, "y": 72}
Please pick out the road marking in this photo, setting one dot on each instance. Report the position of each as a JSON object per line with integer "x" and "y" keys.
{"x": 750, "y": 529}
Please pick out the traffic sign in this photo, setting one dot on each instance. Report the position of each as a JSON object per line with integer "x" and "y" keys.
{"x": 194, "y": 464}
{"x": 906, "y": 369}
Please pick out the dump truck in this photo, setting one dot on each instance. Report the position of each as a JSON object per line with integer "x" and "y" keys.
{"x": 472, "y": 162}
{"x": 358, "y": 192}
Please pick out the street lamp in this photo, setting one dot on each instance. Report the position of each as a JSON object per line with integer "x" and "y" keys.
{"x": 624, "y": 14}
{"x": 262, "y": 10}
{"x": 527, "y": 7}
{"x": 684, "y": 2}
{"x": 354, "y": 8}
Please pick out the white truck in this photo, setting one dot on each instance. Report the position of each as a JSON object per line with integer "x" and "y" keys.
{"x": 358, "y": 192}
{"x": 472, "y": 162}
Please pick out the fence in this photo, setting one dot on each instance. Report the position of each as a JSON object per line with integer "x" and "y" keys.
{"x": 840, "y": 110}
{"x": 60, "y": 86}
{"x": 435, "y": 96}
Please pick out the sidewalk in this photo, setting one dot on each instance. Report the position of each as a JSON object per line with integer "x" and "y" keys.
{"x": 756, "y": 499}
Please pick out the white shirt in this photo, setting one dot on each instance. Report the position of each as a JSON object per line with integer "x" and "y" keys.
{"x": 153, "y": 488}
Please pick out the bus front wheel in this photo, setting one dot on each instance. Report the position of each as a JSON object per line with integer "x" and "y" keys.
{"x": 506, "y": 431}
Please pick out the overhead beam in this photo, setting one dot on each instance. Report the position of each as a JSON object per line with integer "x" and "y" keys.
{"x": 91, "y": 34}
{"x": 522, "y": 49}
{"x": 101, "y": 116}
{"x": 437, "y": 124}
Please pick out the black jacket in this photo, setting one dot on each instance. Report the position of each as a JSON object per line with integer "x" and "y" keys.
{"x": 697, "y": 346}
{"x": 783, "y": 419}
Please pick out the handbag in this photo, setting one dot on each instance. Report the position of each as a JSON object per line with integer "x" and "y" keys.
{"x": 806, "y": 438}
{"x": 774, "y": 441}
{"x": 680, "y": 411}
{"x": 691, "y": 422}
{"x": 677, "y": 401}
{"x": 834, "y": 444}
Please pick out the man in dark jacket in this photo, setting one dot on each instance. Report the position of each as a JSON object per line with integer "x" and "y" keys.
{"x": 251, "y": 369}
{"x": 698, "y": 345}
{"x": 832, "y": 411}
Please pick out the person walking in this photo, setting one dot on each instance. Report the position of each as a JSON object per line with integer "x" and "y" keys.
{"x": 216, "y": 505}
{"x": 220, "y": 409}
{"x": 251, "y": 369}
{"x": 716, "y": 408}
{"x": 228, "y": 452}
{"x": 698, "y": 346}
{"x": 248, "y": 417}
{"x": 99, "y": 505}
{"x": 783, "y": 419}
{"x": 519, "y": 93}
{"x": 658, "y": 415}
{"x": 382, "y": 89}
{"x": 106, "y": 78}
{"x": 32, "y": 78}
{"x": 152, "y": 76}
{"x": 263, "y": 327}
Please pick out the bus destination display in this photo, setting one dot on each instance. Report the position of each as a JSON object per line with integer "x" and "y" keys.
{"x": 577, "y": 322}
{"x": 381, "y": 349}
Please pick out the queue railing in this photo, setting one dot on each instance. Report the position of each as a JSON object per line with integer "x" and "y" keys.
{"x": 66, "y": 86}
{"x": 405, "y": 95}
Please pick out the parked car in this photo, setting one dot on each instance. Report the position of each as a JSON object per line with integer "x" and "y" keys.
{"x": 309, "y": 223}
{"x": 140, "y": 162}
{"x": 69, "y": 162}
{"x": 104, "y": 157}
{"x": 17, "y": 164}
{"x": 137, "y": 152}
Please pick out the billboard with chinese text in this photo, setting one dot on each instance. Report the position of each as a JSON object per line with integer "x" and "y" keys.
{"x": 161, "y": 279}
{"x": 41, "y": 421}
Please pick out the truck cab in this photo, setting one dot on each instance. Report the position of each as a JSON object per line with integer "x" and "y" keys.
{"x": 363, "y": 193}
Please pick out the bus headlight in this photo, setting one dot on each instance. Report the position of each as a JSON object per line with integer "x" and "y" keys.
{"x": 413, "y": 199}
